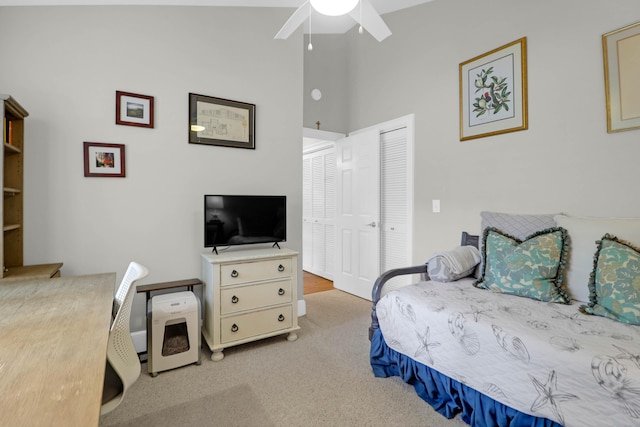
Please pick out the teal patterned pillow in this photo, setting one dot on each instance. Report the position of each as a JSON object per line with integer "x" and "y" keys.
{"x": 614, "y": 285}
{"x": 532, "y": 268}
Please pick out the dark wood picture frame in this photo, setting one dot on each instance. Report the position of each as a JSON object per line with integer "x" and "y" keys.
{"x": 217, "y": 121}
{"x": 133, "y": 109}
{"x": 104, "y": 160}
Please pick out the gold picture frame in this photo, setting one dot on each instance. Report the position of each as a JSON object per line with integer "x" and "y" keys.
{"x": 621, "y": 50}
{"x": 493, "y": 92}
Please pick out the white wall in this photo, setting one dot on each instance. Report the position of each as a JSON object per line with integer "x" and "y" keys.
{"x": 325, "y": 68}
{"x": 64, "y": 65}
{"x": 565, "y": 162}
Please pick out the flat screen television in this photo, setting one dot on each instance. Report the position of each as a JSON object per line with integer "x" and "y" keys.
{"x": 231, "y": 220}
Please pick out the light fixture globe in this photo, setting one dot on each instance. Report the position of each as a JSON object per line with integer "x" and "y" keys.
{"x": 334, "y": 7}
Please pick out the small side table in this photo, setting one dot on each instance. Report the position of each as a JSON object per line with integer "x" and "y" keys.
{"x": 187, "y": 283}
{"x": 147, "y": 289}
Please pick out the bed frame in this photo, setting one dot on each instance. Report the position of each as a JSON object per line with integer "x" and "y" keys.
{"x": 466, "y": 240}
{"x": 446, "y": 395}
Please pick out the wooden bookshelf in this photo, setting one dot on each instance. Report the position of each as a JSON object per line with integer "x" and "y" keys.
{"x": 13, "y": 115}
{"x": 11, "y": 207}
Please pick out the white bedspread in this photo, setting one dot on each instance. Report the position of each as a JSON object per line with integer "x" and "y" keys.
{"x": 543, "y": 359}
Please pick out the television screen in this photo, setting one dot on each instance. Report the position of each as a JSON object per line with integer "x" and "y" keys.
{"x": 242, "y": 220}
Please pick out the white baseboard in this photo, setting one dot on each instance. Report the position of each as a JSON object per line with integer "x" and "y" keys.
{"x": 139, "y": 341}
{"x": 140, "y": 337}
{"x": 302, "y": 307}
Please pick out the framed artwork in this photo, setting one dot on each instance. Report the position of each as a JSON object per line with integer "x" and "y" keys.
{"x": 216, "y": 121}
{"x": 621, "y": 50}
{"x": 493, "y": 92}
{"x": 134, "y": 110}
{"x": 104, "y": 160}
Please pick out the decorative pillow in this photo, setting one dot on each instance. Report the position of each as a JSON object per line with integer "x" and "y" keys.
{"x": 453, "y": 265}
{"x": 584, "y": 232}
{"x": 532, "y": 268}
{"x": 517, "y": 225}
{"x": 614, "y": 285}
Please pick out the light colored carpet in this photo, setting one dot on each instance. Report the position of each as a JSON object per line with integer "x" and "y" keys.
{"x": 322, "y": 379}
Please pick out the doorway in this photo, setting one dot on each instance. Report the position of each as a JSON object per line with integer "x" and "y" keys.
{"x": 394, "y": 219}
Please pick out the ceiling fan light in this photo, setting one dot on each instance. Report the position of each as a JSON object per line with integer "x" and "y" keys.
{"x": 334, "y": 7}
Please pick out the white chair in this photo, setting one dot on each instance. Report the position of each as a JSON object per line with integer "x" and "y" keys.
{"x": 123, "y": 366}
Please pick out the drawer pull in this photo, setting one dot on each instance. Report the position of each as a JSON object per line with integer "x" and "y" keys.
{"x": 234, "y": 328}
{"x": 281, "y": 268}
{"x": 234, "y": 299}
{"x": 281, "y": 318}
{"x": 280, "y": 291}
{"x": 234, "y": 274}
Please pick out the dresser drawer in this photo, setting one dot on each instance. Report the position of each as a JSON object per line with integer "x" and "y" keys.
{"x": 235, "y": 328}
{"x": 231, "y": 274}
{"x": 250, "y": 297}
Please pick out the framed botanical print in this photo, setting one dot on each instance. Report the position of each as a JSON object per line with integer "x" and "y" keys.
{"x": 493, "y": 92}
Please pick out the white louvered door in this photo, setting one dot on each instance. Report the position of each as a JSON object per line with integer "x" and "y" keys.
{"x": 319, "y": 212}
{"x": 395, "y": 203}
{"x": 307, "y": 233}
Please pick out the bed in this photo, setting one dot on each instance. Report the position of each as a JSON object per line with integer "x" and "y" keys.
{"x": 504, "y": 360}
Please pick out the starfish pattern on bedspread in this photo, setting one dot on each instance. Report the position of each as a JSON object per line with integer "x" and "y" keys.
{"x": 425, "y": 346}
{"x": 548, "y": 395}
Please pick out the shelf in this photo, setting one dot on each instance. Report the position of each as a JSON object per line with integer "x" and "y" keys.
{"x": 11, "y": 227}
{"x": 11, "y": 149}
{"x": 32, "y": 272}
{"x": 12, "y": 182}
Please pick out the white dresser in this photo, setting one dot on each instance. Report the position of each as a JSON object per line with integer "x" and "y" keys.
{"x": 249, "y": 295}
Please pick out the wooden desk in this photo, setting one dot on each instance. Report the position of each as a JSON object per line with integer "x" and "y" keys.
{"x": 53, "y": 349}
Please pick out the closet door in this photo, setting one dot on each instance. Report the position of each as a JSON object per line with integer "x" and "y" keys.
{"x": 319, "y": 212}
{"x": 329, "y": 212}
{"x": 395, "y": 204}
{"x": 307, "y": 241}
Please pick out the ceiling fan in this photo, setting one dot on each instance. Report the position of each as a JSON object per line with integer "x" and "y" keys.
{"x": 364, "y": 14}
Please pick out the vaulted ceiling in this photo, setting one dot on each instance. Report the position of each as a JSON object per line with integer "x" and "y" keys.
{"x": 320, "y": 24}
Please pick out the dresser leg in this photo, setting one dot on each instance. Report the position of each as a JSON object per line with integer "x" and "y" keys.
{"x": 217, "y": 355}
{"x": 292, "y": 336}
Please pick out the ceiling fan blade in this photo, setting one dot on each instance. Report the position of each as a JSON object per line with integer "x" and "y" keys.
{"x": 371, "y": 20}
{"x": 294, "y": 21}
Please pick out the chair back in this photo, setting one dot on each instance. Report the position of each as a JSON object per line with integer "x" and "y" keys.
{"x": 121, "y": 353}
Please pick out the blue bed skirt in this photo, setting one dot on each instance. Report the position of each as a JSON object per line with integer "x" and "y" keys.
{"x": 448, "y": 396}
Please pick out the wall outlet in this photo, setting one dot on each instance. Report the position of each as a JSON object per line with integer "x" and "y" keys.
{"x": 436, "y": 206}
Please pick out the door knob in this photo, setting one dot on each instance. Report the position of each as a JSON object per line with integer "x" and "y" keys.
{"x": 371, "y": 224}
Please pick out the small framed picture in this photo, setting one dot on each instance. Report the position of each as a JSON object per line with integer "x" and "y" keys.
{"x": 493, "y": 92}
{"x": 216, "y": 121}
{"x": 104, "y": 160}
{"x": 621, "y": 77}
{"x": 134, "y": 110}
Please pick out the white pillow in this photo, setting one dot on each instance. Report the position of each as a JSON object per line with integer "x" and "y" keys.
{"x": 453, "y": 265}
{"x": 584, "y": 232}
